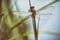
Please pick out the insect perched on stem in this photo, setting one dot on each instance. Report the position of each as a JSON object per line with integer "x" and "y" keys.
{"x": 33, "y": 11}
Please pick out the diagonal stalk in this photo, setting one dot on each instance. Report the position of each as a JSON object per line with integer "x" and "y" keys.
{"x": 44, "y": 7}
{"x": 21, "y": 22}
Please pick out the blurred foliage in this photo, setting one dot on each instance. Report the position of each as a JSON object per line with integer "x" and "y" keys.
{"x": 10, "y": 20}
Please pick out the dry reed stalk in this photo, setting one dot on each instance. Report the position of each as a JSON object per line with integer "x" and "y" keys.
{"x": 35, "y": 29}
{"x": 0, "y": 8}
{"x": 4, "y": 33}
{"x": 33, "y": 11}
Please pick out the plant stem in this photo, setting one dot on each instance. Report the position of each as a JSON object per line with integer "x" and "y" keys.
{"x": 44, "y": 7}
{"x": 33, "y": 20}
{"x": 0, "y": 8}
{"x": 35, "y": 30}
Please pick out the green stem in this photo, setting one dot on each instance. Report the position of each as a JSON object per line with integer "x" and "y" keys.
{"x": 44, "y": 7}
